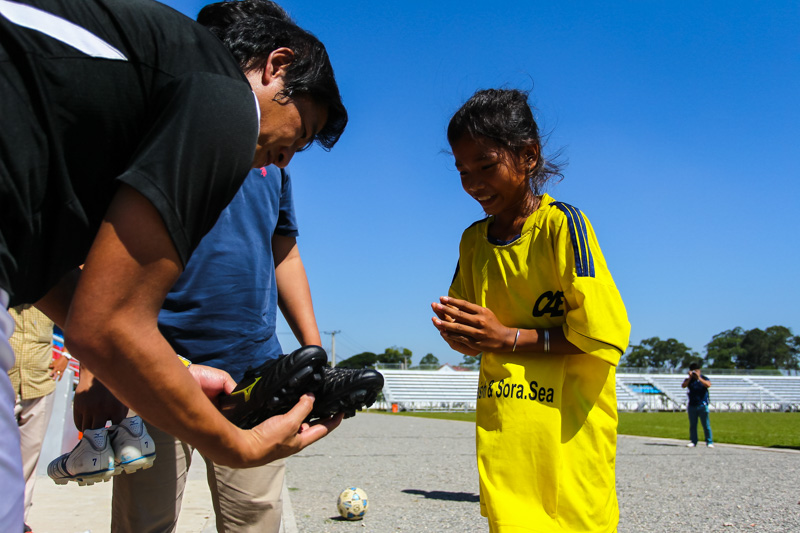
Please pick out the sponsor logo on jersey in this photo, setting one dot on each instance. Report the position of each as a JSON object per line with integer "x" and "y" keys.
{"x": 549, "y": 303}
{"x": 531, "y": 391}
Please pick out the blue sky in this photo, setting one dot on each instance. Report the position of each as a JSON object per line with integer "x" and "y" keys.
{"x": 680, "y": 123}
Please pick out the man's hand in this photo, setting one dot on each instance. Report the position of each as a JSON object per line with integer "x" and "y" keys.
{"x": 284, "y": 435}
{"x": 94, "y": 404}
{"x": 470, "y": 327}
{"x": 57, "y": 367}
{"x": 213, "y": 381}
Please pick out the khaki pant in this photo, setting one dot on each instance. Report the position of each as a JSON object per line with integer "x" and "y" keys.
{"x": 32, "y": 418}
{"x": 149, "y": 501}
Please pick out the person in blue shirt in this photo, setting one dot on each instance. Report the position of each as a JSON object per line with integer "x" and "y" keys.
{"x": 222, "y": 313}
{"x": 697, "y": 386}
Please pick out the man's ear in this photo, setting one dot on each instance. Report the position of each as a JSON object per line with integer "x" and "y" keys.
{"x": 277, "y": 63}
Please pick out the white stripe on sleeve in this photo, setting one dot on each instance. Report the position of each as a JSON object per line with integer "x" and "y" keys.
{"x": 60, "y": 29}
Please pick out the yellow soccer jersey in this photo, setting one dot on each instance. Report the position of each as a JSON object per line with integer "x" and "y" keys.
{"x": 546, "y": 424}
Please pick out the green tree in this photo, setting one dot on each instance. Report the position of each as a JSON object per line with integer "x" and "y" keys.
{"x": 668, "y": 354}
{"x": 725, "y": 348}
{"x": 784, "y": 347}
{"x": 470, "y": 360}
{"x": 638, "y": 356}
{"x": 775, "y": 347}
{"x": 361, "y": 360}
{"x": 395, "y": 355}
{"x": 429, "y": 359}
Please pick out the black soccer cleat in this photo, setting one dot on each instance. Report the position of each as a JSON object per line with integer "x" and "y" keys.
{"x": 274, "y": 387}
{"x": 346, "y": 390}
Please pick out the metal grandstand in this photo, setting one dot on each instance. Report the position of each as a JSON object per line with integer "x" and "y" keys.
{"x": 451, "y": 390}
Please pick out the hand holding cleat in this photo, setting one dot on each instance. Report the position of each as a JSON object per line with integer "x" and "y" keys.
{"x": 274, "y": 387}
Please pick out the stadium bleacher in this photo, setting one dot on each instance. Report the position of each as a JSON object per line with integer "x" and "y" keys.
{"x": 785, "y": 389}
{"x": 451, "y": 390}
{"x": 444, "y": 389}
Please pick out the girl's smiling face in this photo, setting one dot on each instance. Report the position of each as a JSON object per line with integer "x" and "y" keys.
{"x": 494, "y": 178}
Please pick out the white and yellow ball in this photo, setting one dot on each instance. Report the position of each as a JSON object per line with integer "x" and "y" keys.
{"x": 352, "y": 503}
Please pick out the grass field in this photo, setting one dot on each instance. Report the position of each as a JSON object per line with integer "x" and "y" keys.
{"x": 772, "y": 430}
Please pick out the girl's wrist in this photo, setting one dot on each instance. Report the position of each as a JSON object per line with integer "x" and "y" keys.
{"x": 516, "y": 339}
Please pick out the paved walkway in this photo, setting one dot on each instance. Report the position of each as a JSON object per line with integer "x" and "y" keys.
{"x": 74, "y": 509}
{"x": 420, "y": 475}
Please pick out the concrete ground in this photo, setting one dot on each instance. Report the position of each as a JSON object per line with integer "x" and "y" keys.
{"x": 74, "y": 509}
{"x": 420, "y": 475}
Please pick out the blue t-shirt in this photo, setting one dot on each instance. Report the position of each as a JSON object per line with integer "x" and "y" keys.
{"x": 222, "y": 310}
{"x": 698, "y": 393}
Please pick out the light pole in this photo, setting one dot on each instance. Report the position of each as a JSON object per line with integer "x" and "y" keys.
{"x": 333, "y": 345}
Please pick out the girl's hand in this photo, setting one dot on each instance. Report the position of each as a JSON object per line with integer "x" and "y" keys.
{"x": 443, "y": 314}
{"x": 476, "y": 328}
{"x": 455, "y": 344}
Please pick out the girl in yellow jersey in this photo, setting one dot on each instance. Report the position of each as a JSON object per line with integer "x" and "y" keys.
{"x": 533, "y": 295}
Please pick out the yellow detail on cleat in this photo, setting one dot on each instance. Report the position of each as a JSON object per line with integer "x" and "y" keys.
{"x": 247, "y": 390}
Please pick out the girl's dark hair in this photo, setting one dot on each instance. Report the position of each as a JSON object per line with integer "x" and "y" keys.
{"x": 505, "y": 119}
{"x": 253, "y": 29}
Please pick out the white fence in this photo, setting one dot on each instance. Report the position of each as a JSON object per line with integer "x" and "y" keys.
{"x": 446, "y": 390}
{"x": 451, "y": 390}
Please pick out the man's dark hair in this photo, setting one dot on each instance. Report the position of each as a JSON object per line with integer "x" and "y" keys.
{"x": 253, "y": 29}
{"x": 694, "y": 366}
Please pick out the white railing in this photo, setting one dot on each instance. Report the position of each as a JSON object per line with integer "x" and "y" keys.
{"x": 450, "y": 390}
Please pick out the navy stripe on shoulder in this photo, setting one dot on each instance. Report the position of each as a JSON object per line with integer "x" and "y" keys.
{"x": 584, "y": 262}
{"x": 476, "y": 223}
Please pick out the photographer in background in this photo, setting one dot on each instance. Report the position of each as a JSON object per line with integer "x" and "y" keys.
{"x": 697, "y": 385}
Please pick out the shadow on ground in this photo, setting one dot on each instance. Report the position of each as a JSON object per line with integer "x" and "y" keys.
{"x": 445, "y": 495}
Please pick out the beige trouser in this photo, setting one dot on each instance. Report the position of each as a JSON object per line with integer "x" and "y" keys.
{"x": 149, "y": 501}
{"x": 32, "y": 418}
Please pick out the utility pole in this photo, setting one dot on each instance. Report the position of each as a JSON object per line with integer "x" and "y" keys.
{"x": 333, "y": 345}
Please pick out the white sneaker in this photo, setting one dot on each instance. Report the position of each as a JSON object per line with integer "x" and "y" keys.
{"x": 691, "y": 445}
{"x": 133, "y": 446}
{"x": 90, "y": 461}
{"x": 710, "y": 445}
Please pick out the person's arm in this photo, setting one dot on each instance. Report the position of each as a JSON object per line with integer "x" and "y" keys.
{"x": 111, "y": 326}
{"x": 55, "y": 304}
{"x": 294, "y": 294}
{"x": 478, "y": 329}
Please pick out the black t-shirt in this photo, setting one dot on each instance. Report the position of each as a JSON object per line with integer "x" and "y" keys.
{"x": 95, "y": 91}
{"x": 698, "y": 393}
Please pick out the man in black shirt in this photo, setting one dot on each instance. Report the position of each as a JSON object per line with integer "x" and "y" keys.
{"x": 697, "y": 385}
{"x": 126, "y": 129}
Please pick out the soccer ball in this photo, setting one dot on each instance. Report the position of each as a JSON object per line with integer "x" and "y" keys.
{"x": 352, "y": 503}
